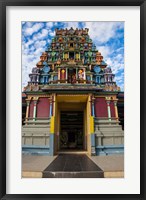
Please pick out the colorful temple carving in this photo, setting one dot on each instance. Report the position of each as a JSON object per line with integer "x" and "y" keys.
{"x": 72, "y": 99}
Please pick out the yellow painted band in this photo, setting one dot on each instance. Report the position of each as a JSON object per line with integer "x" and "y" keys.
{"x": 52, "y": 125}
{"x": 91, "y": 124}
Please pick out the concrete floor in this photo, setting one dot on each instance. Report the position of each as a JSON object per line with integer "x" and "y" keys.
{"x": 33, "y": 166}
{"x": 112, "y": 165}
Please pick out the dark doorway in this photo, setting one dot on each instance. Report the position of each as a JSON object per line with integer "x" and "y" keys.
{"x": 71, "y": 75}
{"x": 71, "y": 55}
{"x": 71, "y": 131}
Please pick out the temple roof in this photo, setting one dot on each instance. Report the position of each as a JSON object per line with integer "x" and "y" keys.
{"x": 71, "y": 61}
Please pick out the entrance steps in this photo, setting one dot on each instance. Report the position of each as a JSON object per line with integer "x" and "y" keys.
{"x": 72, "y": 152}
{"x": 73, "y": 166}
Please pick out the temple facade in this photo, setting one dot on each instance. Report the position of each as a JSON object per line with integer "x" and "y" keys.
{"x": 71, "y": 100}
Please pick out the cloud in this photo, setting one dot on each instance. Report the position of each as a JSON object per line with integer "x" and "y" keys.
{"x": 116, "y": 63}
{"x": 30, "y": 30}
{"x": 27, "y": 44}
{"x": 29, "y": 24}
{"x": 72, "y": 24}
{"x": 105, "y": 50}
{"x": 28, "y": 62}
{"x": 40, "y": 35}
{"x": 40, "y": 43}
{"x": 102, "y": 32}
{"x": 49, "y": 24}
{"x": 52, "y": 33}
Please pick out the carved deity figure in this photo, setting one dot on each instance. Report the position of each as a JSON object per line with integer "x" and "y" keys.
{"x": 66, "y": 56}
{"x": 80, "y": 74}
{"x": 63, "y": 74}
{"x": 53, "y": 56}
{"x": 77, "y": 56}
{"x": 73, "y": 78}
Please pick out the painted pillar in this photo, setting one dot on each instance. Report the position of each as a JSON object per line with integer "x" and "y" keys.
{"x": 52, "y": 127}
{"x": 37, "y": 79}
{"x": 66, "y": 74}
{"x": 109, "y": 110}
{"x": 50, "y": 100}
{"x": 91, "y": 78}
{"x": 76, "y": 75}
{"x": 52, "y": 78}
{"x": 58, "y": 75}
{"x": 35, "y": 109}
{"x": 93, "y": 152}
{"x": 84, "y": 74}
{"x": 79, "y": 56}
{"x": 51, "y": 147}
{"x": 27, "y": 109}
{"x": 93, "y": 109}
{"x": 116, "y": 110}
{"x": 99, "y": 79}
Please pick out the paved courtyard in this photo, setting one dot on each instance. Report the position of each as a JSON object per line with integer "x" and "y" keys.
{"x": 33, "y": 166}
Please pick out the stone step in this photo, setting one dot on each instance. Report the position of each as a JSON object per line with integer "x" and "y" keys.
{"x": 73, "y": 174}
{"x": 73, "y": 166}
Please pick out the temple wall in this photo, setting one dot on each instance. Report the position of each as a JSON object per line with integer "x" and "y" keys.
{"x": 109, "y": 137}
{"x": 36, "y": 131}
{"x": 100, "y": 107}
{"x": 36, "y": 137}
{"x": 43, "y": 107}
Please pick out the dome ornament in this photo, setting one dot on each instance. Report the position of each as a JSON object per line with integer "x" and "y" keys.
{"x": 97, "y": 69}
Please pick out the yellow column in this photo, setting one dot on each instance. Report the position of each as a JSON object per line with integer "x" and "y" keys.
{"x": 52, "y": 125}
{"x": 116, "y": 110}
{"x": 91, "y": 124}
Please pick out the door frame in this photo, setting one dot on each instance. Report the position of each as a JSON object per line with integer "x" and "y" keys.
{"x": 86, "y": 108}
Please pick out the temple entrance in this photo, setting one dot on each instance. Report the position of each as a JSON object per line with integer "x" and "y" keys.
{"x": 71, "y": 130}
{"x": 72, "y": 123}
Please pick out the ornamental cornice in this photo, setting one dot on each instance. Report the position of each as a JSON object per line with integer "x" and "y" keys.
{"x": 60, "y": 95}
{"x": 38, "y": 96}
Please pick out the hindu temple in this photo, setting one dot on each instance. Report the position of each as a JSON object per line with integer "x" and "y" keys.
{"x": 71, "y": 100}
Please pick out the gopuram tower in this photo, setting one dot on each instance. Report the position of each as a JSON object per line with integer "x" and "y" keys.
{"x": 72, "y": 100}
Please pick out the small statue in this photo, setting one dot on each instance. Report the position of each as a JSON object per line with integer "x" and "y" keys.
{"x": 73, "y": 78}
{"x": 63, "y": 74}
{"x": 80, "y": 74}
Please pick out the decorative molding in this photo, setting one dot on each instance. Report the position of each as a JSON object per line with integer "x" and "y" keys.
{"x": 60, "y": 95}
{"x": 38, "y": 95}
{"x": 35, "y": 98}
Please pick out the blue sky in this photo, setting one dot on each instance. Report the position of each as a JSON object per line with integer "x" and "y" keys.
{"x": 107, "y": 36}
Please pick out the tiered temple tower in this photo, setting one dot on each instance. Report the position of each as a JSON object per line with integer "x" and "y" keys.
{"x": 72, "y": 99}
